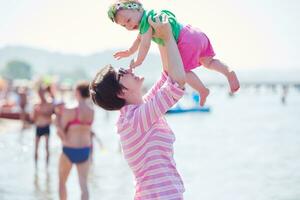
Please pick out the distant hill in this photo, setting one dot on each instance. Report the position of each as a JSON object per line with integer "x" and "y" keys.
{"x": 47, "y": 62}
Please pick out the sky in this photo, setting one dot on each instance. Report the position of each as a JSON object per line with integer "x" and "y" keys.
{"x": 245, "y": 33}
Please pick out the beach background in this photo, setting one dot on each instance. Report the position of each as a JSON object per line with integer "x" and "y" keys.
{"x": 245, "y": 148}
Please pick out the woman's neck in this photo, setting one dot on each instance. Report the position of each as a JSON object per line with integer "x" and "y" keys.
{"x": 81, "y": 102}
{"x": 134, "y": 99}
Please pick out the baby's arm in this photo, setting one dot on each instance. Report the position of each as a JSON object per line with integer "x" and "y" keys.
{"x": 144, "y": 48}
{"x": 134, "y": 47}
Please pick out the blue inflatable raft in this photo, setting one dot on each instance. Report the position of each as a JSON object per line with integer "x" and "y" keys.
{"x": 177, "y": 110}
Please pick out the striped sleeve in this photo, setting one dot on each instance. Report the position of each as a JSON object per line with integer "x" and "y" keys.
{"x": 156, "y": 87}
{"x": 165, "y": 97}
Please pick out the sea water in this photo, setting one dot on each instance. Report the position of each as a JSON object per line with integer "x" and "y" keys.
{"x": 246, "y": 148}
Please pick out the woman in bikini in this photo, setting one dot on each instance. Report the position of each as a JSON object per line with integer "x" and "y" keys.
{"x": 74, "y": 127}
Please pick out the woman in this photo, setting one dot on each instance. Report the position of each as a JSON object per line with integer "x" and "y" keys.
{"x": 42, "y": 118}
{"x": 74, "y": 129}
{"x": 146, "y": 139}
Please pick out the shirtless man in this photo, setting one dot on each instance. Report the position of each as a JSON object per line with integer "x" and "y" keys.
{"x": 42, "y": 118}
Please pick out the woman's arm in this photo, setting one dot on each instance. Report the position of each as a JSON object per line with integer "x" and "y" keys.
{"x": 61, "y": 121}
{"x": 148, "y": 113}
{"x": 60, "y": 132}
{"x": 175, "y": 66}
{"x": 151, "y": 93}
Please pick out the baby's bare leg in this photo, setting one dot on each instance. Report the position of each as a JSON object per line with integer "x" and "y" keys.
{"x": 193, "y": 80}
{"x": 217, "y": 65}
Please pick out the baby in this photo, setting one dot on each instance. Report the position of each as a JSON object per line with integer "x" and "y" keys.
{"x": 194, "y": 46}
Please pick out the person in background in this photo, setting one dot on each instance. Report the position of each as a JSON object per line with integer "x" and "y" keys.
{"x": 42, "y": 118}
{"x": 22, "y": 93}
{"x": 74, "y": 129}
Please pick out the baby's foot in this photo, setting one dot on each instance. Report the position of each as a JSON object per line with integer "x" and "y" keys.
{"x": 233, "y": 82}
{"x": 203, "y": 96}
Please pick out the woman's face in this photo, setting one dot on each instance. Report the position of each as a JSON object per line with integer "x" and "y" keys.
{"x": 129, "y": 80}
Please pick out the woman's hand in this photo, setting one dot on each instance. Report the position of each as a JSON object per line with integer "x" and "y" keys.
{"x": 161, "y": 26}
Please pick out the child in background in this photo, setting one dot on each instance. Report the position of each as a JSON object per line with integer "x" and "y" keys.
{"x": 194, "y": 46}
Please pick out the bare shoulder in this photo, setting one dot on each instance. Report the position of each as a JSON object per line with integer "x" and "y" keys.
{"x": 68, "y": 113}
{"x": 88, "y": 113}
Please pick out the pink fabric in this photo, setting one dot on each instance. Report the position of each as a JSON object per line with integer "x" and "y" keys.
{"x": 147, "y": 143}
{"x": 193, "y": 44}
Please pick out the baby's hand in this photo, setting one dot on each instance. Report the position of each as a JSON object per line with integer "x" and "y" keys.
{"x": 133, "y": 64}
{"x": 122, "y": 54}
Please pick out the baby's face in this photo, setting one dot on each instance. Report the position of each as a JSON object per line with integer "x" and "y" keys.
{"x": 129, "y": 19}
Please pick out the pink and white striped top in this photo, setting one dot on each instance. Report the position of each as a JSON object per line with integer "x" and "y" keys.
{"x": 147, "y": 143}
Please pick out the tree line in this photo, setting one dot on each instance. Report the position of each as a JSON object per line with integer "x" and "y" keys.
{"x": 17, "y": 69}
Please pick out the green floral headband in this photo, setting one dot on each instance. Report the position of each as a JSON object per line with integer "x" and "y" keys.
{"x": 130, "y": 5}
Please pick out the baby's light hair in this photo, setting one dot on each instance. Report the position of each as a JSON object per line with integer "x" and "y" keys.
{"x": 121, "y": 5}
{"x": 124, "y": 1}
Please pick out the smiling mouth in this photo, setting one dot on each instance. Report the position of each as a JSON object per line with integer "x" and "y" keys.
{"x": 135, "y": 27}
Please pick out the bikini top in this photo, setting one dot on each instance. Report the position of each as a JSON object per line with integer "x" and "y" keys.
{"x": 77, "y": 121}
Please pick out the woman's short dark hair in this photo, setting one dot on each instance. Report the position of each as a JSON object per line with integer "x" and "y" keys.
{"x": 105, "y": 89}
{"x": 83, "y": 88}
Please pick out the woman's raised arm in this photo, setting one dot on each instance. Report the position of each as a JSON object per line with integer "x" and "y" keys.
{"x": 175, "y": 66}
